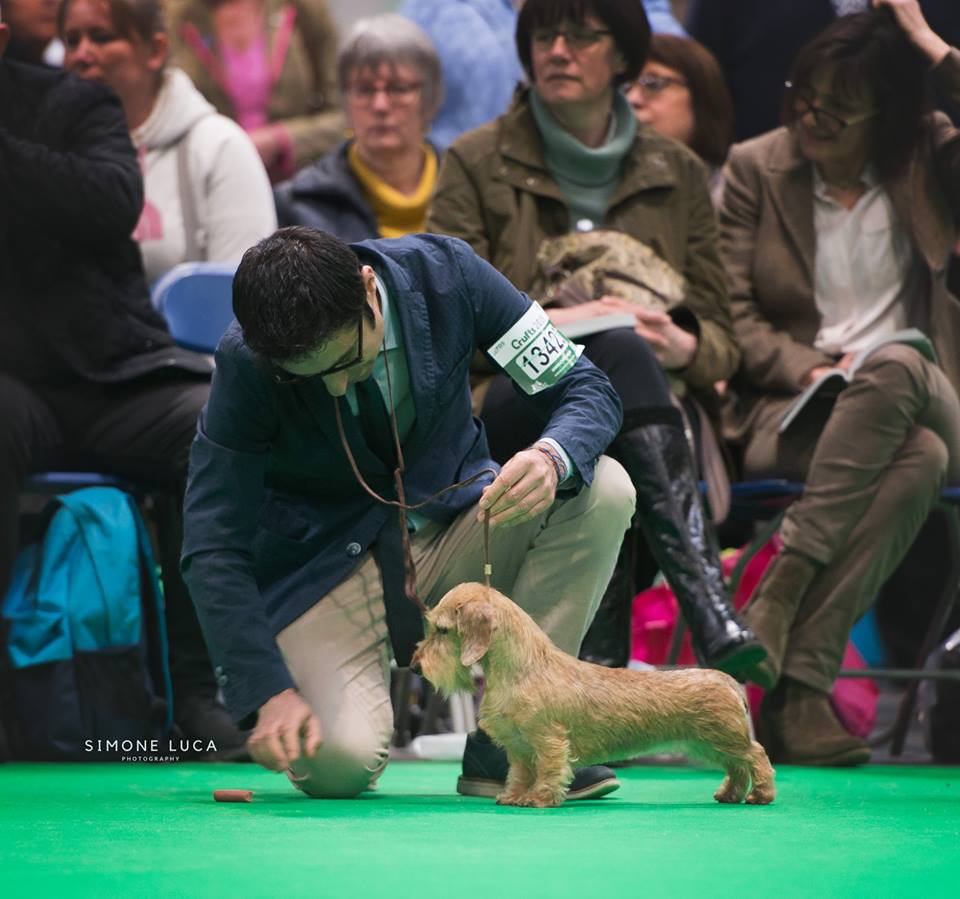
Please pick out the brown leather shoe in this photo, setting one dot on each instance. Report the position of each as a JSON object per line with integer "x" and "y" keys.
{"x": 772, "y": 609}
{"x": 799, "y": 727}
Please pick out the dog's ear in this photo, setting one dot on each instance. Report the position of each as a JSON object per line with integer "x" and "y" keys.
{"x": 475, "y": 624}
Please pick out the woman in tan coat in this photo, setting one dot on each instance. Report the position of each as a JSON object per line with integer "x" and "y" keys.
{"x": 568, "y": 157}
{"x": 836, "y": 231}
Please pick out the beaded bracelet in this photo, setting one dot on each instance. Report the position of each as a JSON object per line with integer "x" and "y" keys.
{"x": 559, "y": 466}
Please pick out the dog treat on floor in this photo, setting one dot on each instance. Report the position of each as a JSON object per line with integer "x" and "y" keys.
{"x": 549, "y": 710}
{"x": 233, "y": 795}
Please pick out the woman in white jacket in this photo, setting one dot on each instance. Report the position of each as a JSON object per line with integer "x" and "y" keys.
{"x": 207, "y": 195}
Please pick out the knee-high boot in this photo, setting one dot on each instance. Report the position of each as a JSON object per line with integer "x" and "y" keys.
{"x": 607, "y": 642}
{"x": 657, "y": 458}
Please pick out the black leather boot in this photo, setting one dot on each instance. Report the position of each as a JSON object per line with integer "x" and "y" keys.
{"x": 658, "y": 460}
{"x": 607, "y": 642}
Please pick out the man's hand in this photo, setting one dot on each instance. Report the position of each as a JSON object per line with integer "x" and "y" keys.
{"x": 286, "y": 730}
{"x": 525, "y": 487}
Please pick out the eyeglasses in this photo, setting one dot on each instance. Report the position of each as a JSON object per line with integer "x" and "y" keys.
{"x": 282, "y": 376}
{"x": 576, "y": 39}
{"x": 653, "y": 84}
{"x": 399, "y": 93}
{"x": 825, "y": 121}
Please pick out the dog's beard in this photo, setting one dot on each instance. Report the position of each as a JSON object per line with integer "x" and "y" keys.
{"x": 441, "y": 666}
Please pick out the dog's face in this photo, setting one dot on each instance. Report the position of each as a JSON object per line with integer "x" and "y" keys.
{"x": 459, "y": 630}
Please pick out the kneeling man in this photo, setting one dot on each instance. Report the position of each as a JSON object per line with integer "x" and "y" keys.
{"x": 298, "y": 573}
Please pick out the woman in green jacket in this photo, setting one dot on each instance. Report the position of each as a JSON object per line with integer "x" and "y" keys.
{"x": 568, "y": 158}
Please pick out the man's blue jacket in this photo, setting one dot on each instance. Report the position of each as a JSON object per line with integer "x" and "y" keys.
{"x": 274, "y": 517}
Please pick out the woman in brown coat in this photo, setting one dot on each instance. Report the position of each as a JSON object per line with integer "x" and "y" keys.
{"x": 569, "y": 156}
{"x": 836, "y": 231}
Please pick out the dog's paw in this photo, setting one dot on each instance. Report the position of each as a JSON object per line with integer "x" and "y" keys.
{"x": 511, "y": 798}
{"x": 760, "y": 797}
{"x": 545, "y": 797}
{"x": 729, "y": 796}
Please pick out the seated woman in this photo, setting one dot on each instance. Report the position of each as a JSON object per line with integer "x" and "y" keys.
{"x": 681, "y": 92}
{"x": 207, "y": 196}
{"x": 836, "y": 230}
{"x": 269, "y": 65}
{"x": 379, "y": 182}
{"x": 569, "y": 155}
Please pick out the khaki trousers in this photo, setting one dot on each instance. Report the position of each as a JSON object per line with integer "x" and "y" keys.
{"x": 872, "y": 476}
{"x": 556, "y": 567}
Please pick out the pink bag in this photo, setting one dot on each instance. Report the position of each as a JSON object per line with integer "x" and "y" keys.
{"x": 655, "y": 616}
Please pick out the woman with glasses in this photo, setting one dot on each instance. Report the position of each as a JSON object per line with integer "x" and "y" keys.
{"x": 206, "y": 194}
{"x": 681, "y": 93}
{"x": 835, "y": 231}
{"x": 380, "y": 181}
{"x": 569, "y": 159}
{"x": 269, "y": 65}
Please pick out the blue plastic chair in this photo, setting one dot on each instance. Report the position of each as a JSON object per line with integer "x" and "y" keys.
{"x": 196, "y": 299}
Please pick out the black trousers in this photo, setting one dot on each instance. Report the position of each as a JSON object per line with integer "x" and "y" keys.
{"x": 140, "y": 430}
{"x": 628, "y": 362}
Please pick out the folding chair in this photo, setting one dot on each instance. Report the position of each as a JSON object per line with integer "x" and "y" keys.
{"x": 196, "y": 299}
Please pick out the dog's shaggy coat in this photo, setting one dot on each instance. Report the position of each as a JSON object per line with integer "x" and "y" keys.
{"x": 549, "y": 710}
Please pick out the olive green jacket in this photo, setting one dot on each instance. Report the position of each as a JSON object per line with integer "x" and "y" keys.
{"x": 304, "y": 98}
{"x": 495, "y": 192}
{"x": 768, "y": 243}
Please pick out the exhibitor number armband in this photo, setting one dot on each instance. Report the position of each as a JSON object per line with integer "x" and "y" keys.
{"x": 534, "y": 353}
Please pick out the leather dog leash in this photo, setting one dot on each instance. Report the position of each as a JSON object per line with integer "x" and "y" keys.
{"x": 410, "y": 572}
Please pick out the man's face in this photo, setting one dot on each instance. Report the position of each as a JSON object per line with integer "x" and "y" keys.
{"x": 344, "y": 346}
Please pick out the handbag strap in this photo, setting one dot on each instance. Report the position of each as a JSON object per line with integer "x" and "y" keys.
{"x": 194, "y": 243}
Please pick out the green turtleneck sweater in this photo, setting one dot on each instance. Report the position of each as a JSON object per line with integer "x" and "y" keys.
{"x": 587, "y": 177}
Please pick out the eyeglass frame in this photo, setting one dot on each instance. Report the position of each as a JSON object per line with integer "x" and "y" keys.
{"x": 398, "y": 93}
{"x": 665, "y": 81}
{"x": 818, "y": 113}
{"x": 282, "y": 376}
{"x": 545, "y": 38}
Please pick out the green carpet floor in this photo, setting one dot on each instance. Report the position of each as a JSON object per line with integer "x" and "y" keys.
{"x": 154, "y": 831}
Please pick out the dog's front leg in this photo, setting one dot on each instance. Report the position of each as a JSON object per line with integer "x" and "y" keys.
{"x": 519, "y": 780}
{"x": 554, "y": 772}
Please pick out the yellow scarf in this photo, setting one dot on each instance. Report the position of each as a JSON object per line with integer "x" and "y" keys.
{"x": 396, "y": 213}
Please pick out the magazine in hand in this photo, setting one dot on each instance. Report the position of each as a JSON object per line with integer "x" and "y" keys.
{"x": 587, "y": 326}
{"x": 831, "y": 382}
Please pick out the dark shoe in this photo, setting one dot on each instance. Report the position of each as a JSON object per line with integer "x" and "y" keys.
{"x": 772, "y": 610}
{"x": 799, "y": 727}
{"x": 657, "y": 458}
{"x": 485, "y": 773}
{"x": 203, "y": 720}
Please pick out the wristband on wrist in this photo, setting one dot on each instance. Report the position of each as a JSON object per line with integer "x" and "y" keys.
{"x": 559, "y": 466}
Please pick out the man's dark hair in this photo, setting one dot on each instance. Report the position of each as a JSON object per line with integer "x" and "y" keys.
{"x": 625, "y": 19}
{"x": 295, "y": 290}
{"x": 870, "y": 49}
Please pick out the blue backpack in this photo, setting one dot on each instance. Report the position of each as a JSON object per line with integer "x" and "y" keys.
{"x": 85, "y": 634}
